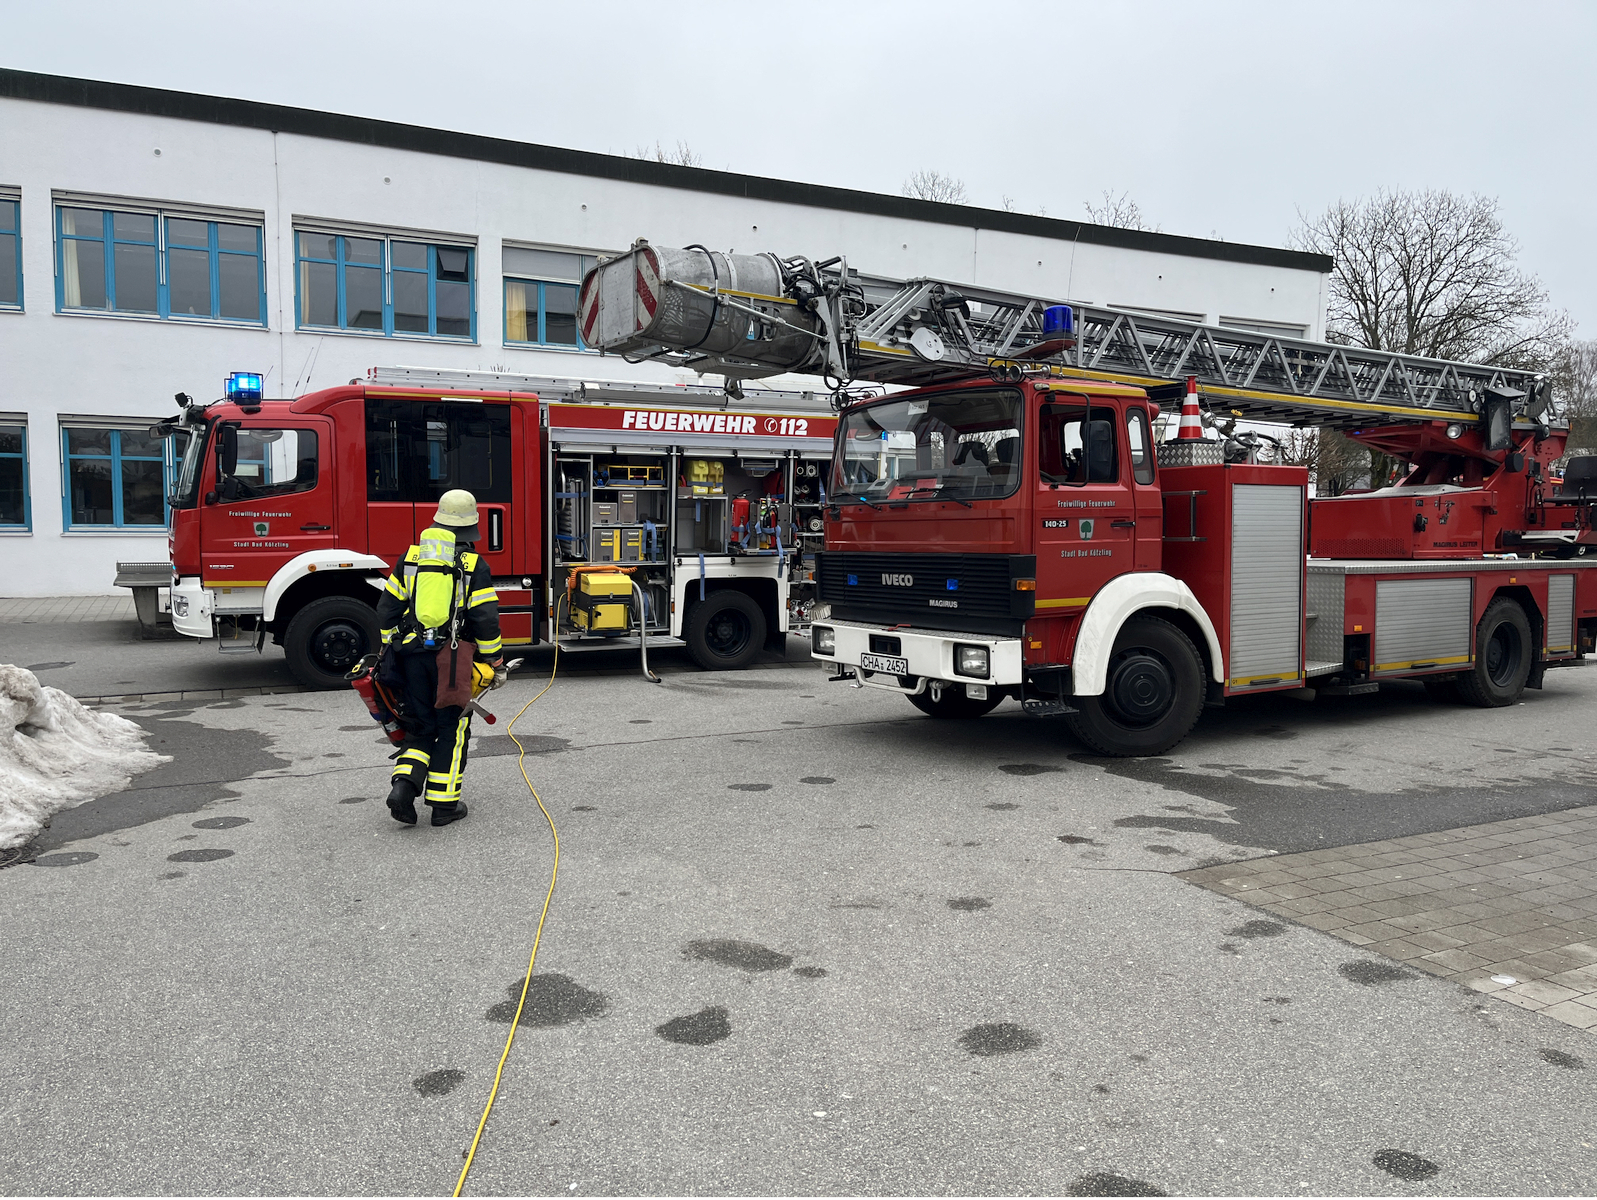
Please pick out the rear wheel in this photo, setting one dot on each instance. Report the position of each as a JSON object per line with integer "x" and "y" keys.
{"x": 327, "y": 637}
{"x": 1502, "y": 656}
{"x": 724, "y": 631}
{"x": 1152, "y": 694}
{"x": 954, "y": 703}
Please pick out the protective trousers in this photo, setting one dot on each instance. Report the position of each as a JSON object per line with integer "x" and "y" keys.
{"x": 434, "y": 754}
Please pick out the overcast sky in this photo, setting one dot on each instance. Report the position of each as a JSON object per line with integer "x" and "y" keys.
{"x": 1218, "y": 119}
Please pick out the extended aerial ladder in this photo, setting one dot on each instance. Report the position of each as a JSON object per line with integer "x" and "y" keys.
{"x": 751, "y": 316}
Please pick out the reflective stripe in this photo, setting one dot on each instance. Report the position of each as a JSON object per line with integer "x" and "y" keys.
{"x": 492, "y": 647}
{"x": 482, "y": 596}
{"x": 396, "y": 589}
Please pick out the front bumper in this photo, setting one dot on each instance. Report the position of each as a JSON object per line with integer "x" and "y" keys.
{"x": 929, "y": 653}
{"x": 193, "y": 608}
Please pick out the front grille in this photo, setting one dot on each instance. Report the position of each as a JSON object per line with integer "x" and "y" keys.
{"x": 972, "y": 593}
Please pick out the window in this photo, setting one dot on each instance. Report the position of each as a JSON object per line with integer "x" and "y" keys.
{"x": 1074, "y": 450}
{"x": 151, "y": 264}
{"x": 15, "y": 511}
{"x": 956, "y": 445}
{"x": 115, "y": 478}
{"x": 384, "y": 285}
{"x": 541, "y": 296}
{"x": 10, "y": 251}
{"x": 417, "y": 451}
{"x": 270, "y": 462}
{"x": 1140, "y": 443}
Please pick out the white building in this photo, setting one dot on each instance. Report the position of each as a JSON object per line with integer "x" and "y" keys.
{"x": 151, "y": 242}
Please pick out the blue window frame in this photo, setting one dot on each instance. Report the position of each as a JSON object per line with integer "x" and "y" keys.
{"x": 113, "y": 478}
{"x": 10, "y": 253}
{"x": 152, "y": 264}
{"x": 388, "y": 286}
{"x": 541, "y": 297}
{"x": 16, "y": 509}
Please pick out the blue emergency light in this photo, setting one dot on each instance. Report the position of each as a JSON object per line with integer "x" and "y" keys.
{"x": 1058, "y": 321}
{"x": 244, "y": 387}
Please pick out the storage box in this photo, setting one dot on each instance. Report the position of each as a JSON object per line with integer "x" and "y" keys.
{"x": 602, "y": 601}
{"x": 626, "y": 508}
{"x": 605, "y": 513}
{"x": 631, "y": 545}
{"x": 606, "y": 546}
{"x": 604, "y": 583}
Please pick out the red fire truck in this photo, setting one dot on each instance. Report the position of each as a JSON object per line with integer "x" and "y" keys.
{"x": 1010, "y": 528}
{"x": 288, "y": 514}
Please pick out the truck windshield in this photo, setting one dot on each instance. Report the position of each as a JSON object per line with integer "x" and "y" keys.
{"x": 188, "y": 451}
{"x": 962, "y": 445}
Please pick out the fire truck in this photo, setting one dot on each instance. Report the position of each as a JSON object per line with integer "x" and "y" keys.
{"x": 287, "y": 515}
{"x": 1001, "y": 520}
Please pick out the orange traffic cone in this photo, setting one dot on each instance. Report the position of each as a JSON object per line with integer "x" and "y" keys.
{"x": 1191, "y": 427}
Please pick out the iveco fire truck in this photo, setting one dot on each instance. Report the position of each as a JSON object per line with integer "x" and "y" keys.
{"x": 1008, "y": 526}
{"x": 288, "y": 514}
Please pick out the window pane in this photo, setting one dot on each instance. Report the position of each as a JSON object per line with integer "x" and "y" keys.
{"x": 411, "y": 255}
{"x": 89, "y": 441}
{"x": 454, "y": 265}
{"x": 8, "y": 269}
{"x": 238, "y": 237}
{"x": 274, "y": 462}
{"x": 83, "y": 274}
{"x": 187, "y": 233}
{"x": 410, "y": 302}
{"x": 11, "y": 439}
{"x": 363, "y": 250}
{"x": 318, "y": 293}
{"x": 546, "y": 264}
{"x": 137, "y": 227}
{"x": 135, "y": 278}
{"x": 189, "y": 282}
{"x": 363, "y": 298}
{"x": 454, "y": 309}
{"x": 417, "y": 452}
{"x": 83, "y": 222}
{"x": 142, "y": 492}
{"x": 559, "y": 314}
{"x": 137, "y": 443}
{"x": 521, "y": 311}
{"x": 8, "y": 214}
{"x": 90, "y": 487}
{"x": 318, "y": 245}
{"x": 12, "y": 509}
{"x": 241, "y": 286}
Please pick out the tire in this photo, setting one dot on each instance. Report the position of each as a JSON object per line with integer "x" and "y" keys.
{"x": 1503, "y": 657}
{"x": 327, "y": 637}
{"x": 955, "y": 704}
{"x": 1152, "y": 695}
{"x": 1443, "y": 691}
{"x": 725, "y": 631}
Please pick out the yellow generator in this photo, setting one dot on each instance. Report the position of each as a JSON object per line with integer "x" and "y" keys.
{"x": 602, "y": 602}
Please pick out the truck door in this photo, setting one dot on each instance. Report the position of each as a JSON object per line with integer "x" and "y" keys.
{"x": 269, "y": 499}
{"x": 1085, "y": 512}
{"x": 1145, "y": 492}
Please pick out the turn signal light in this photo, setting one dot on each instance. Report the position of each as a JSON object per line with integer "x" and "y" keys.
{"x": 1025, "y": 585}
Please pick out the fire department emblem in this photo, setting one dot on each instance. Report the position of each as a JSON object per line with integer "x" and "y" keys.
{"x": 262, "y": 528}
{"x": 1085, "y": 526}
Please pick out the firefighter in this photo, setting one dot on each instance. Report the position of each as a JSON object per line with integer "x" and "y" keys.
{"x": 441, "y": 590}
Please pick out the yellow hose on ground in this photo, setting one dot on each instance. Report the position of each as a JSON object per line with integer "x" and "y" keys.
{"x": 521, "y": 762}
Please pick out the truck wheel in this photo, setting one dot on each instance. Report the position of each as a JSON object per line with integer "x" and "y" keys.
{"x": 327, "y": 637}
{"x": 1502, "y": 657}
{"x": 724, "y": 631}
{"x": 1152, "y": 695}
{"x": 954, "y": 703}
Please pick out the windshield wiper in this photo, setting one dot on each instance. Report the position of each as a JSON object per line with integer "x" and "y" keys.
{"x": 935, "y": 490}
{"x": 862, "y": 500}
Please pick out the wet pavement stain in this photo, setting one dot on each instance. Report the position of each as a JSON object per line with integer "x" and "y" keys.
{"x": 199, "y": 855}
{"x": 748, "y": 787}
{"x": 221, "y": 822}
{"x": 1370, "y": 973}
{"x": 1278, "y": 1000}
{"x": 52, "y": 666}
{"x": 552, "y": 1000}
{"x": 499, "y": 744}
{"x": 1028, "y": 769}
{"x": 584, "y": 808}
{"x": 1228, "y": 948}
{"x": 969, "y": 903}
{"x": 810, "y": 972}
{"x": 187, "y": 837}
{"x": 817, "y": 779}
{"x": 353, "y": 800}
{"x": 1001, "y": 1038}
{"x": 1164, "y": 850}
{"x": 172, "y": 875}
{"x": 640, "y": 721}
{"x": 65, "y": 860}
{"x": 1558, "y": 1058}
{"x": 745, "y": 956}
{"x": 1257, "y": 929}
{"x": 372, "y": 728}
{"x": 1275, "y": 733}
{"x": 439, "y": 1083}
{"x": 1075, "y": 839}
{"x": 1101, "y": 1089}
{"x": 1408, "y": 1167}
{"x": 1004, "y": 807}
{"x": 1107, "y": 1183}
{"x": 697, "y": 1029}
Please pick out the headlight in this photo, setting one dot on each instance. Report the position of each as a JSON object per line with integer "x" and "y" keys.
{"x": 823, "y": 638}
{"x": 1455, "y": 430}
{"x": 180, "y": 606}
{"x": 972, "y": 661}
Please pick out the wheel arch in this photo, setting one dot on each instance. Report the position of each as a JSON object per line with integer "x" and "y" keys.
{"x": 318, "y": 573}
{"x": 1521, "y": 595}
{"x": 1126, "y": 596}
{"x": 762, "y": 591}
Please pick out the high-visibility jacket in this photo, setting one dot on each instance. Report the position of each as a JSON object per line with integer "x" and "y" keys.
{"x": 478, "y": 604}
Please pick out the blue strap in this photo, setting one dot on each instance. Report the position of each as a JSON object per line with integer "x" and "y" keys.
{"x": 781, "y": 561}
{"x": 701, "y": 576}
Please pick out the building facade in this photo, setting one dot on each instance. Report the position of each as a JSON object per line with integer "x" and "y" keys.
{"x": 152, "y": 242}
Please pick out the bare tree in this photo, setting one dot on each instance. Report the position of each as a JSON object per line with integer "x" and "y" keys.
{"x": 1575, "y": 392}
{"x": 934, "y": 185}
{"x": 1336, "y": 463}
{"x": 1119, "y": 211}
{"x": 683, "y": 155}
{"x": 1008, "y": 203}
{"x": 1433, "y": 274}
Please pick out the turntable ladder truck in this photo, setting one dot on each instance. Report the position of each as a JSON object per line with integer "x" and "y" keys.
{"x": 1007, "y": 526}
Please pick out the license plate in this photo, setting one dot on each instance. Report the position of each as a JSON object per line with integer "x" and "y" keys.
{"x": 884, "y": 664}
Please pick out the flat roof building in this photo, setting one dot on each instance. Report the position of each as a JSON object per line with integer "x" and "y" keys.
{"x": 153, "y": 241}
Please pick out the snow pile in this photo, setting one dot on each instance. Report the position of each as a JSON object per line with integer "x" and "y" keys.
{"x": 54, "y": 753}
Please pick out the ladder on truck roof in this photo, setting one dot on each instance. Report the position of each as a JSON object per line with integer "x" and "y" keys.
{"x": 566, "y": 389}
{"x": 690, "y": 311}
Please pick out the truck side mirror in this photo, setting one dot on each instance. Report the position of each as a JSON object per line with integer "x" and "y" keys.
{"x": 227, "y": 450}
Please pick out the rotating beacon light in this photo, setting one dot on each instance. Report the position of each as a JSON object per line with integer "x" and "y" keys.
{"x": 245, "y": 387}
{"x": 1191, "y": 428}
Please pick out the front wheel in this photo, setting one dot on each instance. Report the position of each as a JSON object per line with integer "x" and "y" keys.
{"x": 724, "y": 631}
{"x": 1502, "y": 657}
{"x": 327, "y": 637}
{"x": 1152, "y": 694}
{"x": 955, "y": 703}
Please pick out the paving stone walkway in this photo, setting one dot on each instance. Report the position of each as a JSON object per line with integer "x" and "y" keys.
{"x": 1508, "y": 908}
{"x": 55, "y": 610}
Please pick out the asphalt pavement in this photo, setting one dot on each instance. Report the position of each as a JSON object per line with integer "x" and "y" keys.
{"x": 804, "y": 940}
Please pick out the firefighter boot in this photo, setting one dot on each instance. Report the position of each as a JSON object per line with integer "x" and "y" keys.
{"x": 402, "y": 800}
{"x": 445, "y": 813}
